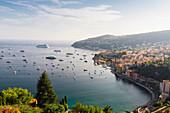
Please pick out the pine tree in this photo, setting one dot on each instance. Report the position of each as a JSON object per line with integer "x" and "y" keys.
{"x": 45, "y": 93}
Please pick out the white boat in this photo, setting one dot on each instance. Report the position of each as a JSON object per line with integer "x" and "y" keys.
{"x": 74, "y": 78}
{"x": 43, "y": 46}
{"x": 15, "y": 72}
{"x": 51, "y": 57}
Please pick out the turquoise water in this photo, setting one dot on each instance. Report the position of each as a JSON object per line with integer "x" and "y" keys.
{"x": 103, "y": 90}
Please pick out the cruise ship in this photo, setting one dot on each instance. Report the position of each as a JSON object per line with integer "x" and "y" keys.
{"x": 43, "y": 46}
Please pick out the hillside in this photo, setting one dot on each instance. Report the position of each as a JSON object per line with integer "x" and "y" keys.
{"x": 111, "y": 42}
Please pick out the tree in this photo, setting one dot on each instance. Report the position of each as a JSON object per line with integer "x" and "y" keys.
{"x": 45, "y": 93}
{"x": 64, "y": 103}
{"x": 107, "y": 109}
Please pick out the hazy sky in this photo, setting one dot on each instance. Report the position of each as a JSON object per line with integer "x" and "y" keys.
{"x": 80, "y": 19}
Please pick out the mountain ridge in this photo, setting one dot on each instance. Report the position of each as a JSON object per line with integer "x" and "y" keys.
{"x": 112, "y": 42}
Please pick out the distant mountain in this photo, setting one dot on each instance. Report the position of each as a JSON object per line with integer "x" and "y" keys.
{"x": 111, "y": 42}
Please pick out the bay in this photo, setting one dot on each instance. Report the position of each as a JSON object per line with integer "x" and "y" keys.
{"x": 104, "y": 89}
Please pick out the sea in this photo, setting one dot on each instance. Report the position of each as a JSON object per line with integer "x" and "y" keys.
{"x": 103, "y": 89}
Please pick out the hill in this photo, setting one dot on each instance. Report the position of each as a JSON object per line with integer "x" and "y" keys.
{"x": 111, "y": 42}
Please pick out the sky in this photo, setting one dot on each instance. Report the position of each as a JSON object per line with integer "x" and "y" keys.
{"x": 80, "y": 19}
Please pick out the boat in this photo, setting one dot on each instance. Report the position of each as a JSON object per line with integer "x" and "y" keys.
{"x": 22, "y": 50}
{"x": 74, "y": 78}
{"x": 91, "y": 77}
{"x": 25, "y": 60}
{"x": 69, "y": 53}
{"x": 67, "y": 56}
{"x": 8, "y": 62}
{"x": 15, "y": 72}
{"x": 51, "y": 57}
{"x": 81, "y": 59}
{"x": 85, "y": 61}
{"x": 61, "y": 60}
{"x": 57, "y": 50}
{"x": 43, "y": 46}
{"x": 85, "y": 69}
{"x": 84, "y": 55}
{"x": 38, "y": 67}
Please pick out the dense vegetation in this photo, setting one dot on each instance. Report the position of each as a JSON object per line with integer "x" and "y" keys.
{"x": 15, "y": 96}
{"x": 80, "y": 108}
{"x": 112, "y": 42}
{"x": 156, "y": 72}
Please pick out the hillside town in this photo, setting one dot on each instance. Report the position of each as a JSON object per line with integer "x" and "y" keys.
{"x": 127, "y": 64}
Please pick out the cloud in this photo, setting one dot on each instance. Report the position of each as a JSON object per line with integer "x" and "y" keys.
{"x": 70, "y": 2}
{"x": 87, "y": 14}
{"x": 5, "y": 9}
{"x": 62, "y": 3}
{"x": 50, "y": 21}
{"x": 23, "y": 3}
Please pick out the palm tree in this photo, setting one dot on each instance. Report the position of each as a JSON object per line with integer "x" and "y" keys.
{"x": 107, "y": 109}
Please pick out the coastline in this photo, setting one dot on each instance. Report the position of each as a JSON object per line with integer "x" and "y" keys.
{"x": 151, "y": 92}
{"x": 149, "y": 103}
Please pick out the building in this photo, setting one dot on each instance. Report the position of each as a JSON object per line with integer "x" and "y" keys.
{"x": 165, "y": 86}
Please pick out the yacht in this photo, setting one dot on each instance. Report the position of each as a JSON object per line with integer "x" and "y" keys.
{"x": 85, "y": 69}
{"x": 22, "y": 50}
{"x": 91, "y": 77}
{"x": 85, "y": 61}
{"x": 51, "y": 57}
{"x": 43, "y": 46}
{"x": 8, "y": 62}
{"x": 57, "y": 50}
{"x": 69, "y": 53}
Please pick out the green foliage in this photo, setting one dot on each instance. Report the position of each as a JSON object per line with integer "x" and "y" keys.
{"x": 64, "y": 103}
{"x": 45, "y": 93}
{"x": 107, "y": 109}
{"x": 90, "y": 109}
{"x": 54, "y": 108}
{"x": 158, "y": 73}
{"x": 15, "y": 96}
{"x": 157, "y": 104}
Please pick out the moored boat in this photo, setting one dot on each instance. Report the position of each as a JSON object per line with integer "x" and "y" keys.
{"x": 51, "y": 57}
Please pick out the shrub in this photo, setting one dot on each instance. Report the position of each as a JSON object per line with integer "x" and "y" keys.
{"x": 54, "y": 108}
{"x": 9, "y": 109}
{"x": 157, "y": 104}
{"x": 15, "y": 96}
